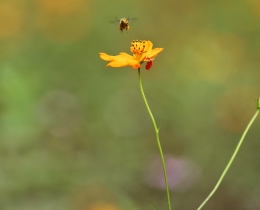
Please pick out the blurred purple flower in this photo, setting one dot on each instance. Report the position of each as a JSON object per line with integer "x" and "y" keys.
{"x": 182, "y": 173}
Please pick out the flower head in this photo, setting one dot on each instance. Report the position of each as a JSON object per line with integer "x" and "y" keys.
{"x": 142, "y": 52}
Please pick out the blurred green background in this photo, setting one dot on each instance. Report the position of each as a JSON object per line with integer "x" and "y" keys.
{"x": 75, "y": 135}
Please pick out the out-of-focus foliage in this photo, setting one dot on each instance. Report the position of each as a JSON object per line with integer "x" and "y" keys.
{"x": 75, "y": 135}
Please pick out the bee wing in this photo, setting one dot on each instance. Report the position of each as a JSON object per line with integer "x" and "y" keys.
{"x": 132, "y": 19}
{"x": 115, "y": 21}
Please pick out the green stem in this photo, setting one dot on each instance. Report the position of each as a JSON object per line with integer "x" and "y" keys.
{"x": 231, "y": 160}
{"x": 158, "y": 140}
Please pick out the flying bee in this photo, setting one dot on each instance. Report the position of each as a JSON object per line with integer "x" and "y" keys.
{"x": 123, "y": 23}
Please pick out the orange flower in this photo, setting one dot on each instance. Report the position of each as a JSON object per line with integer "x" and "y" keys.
{"x": 142, "y": 52}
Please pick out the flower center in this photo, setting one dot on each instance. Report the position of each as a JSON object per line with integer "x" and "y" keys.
{"x": 138, "y": 48}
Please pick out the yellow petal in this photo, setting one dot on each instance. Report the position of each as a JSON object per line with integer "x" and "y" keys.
{"x": 121, "y": 60}
{"x": 133, "y": 63}
{"x": 149, "y": 45}
{"x": 117, "y": 61}
{"x": 106, "y": 57}
{"x": 151, "y": 54}
{"x": 117, "y": 64}
{"x": 125, "y": 55}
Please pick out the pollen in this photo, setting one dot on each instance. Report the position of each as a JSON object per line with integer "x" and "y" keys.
{"x": 138, "y": 47}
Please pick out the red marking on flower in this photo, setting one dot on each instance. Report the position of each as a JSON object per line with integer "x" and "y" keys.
{"x": 149, "y": 64}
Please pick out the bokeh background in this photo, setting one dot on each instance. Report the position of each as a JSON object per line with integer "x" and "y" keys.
{"x": 75, "y": 135}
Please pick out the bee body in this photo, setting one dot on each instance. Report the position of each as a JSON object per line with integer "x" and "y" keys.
{"x": 124, "y": 24}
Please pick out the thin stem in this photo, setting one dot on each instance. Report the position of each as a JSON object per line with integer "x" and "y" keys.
{"x": 153, "y": 204}
{"x": 158, "y": 140}
{"x": 231, "y": 160}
